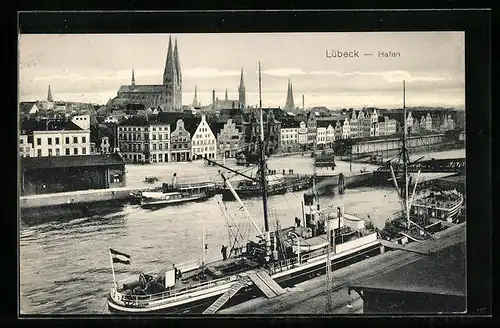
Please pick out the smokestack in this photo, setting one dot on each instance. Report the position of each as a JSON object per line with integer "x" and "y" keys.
{"x": 303, "y": 103}
{"x": 213, "y": 99}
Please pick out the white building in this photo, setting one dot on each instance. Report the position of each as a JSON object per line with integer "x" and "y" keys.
{"x": 25, "y": 147}
{"x": 203, "y": 141}
{"x": 330, "y": 134}
{"x": 320, "y": 135}
{"x": 144, "y": 141}
{"x": 302, "y": 133}
{"x": 83, "y": 121}
{"x": 69, "y": 141}
{"x": 290, "y": 135}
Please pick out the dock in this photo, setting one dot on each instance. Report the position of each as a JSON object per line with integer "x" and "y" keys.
{"x": 310, "y": 297}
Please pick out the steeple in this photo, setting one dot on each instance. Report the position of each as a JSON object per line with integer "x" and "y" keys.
{"x": 169, "y": 72}
{"x": 49, "y": 95}
{"x": 133, "y": 77}
{"x": 178, "y": 88}
{"x": 226, "y": 94}
{"x": 289, "y": 104}
{"x": 241, "y": 93}
{"x": 195, "y": 99}
{"x": 177, "y": 63}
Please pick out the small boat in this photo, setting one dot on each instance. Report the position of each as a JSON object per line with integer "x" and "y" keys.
{"x": 159, "y": 199}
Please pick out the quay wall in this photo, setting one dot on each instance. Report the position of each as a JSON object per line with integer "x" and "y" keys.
{"x": 75, "y": 197}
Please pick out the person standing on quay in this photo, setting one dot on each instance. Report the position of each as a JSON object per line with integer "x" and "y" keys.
{"x": 224, "y": 252}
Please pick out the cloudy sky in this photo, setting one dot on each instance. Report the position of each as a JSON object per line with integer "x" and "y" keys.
{"x": 92, "y": 67}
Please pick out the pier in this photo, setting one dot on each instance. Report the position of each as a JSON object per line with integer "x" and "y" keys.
{"x": 310, "y": 297}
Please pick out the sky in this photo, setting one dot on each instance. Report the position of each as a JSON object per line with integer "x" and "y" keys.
{"x": 92, "y": 67}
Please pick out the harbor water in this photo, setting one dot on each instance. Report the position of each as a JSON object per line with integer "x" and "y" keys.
{"x": 65, "y": 265}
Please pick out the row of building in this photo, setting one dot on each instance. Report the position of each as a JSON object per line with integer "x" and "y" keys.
{"x": 183, "y": 136}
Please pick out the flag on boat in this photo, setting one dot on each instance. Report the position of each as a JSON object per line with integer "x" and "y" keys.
{"x": 119, "y": 257}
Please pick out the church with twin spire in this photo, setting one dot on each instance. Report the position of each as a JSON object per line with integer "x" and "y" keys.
{"x": 168, "y": 95}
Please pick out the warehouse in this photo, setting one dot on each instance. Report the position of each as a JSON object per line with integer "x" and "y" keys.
{"x": 43, "y": 175}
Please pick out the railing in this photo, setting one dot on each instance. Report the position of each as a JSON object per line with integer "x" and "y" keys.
{"x": 143, "y": 300}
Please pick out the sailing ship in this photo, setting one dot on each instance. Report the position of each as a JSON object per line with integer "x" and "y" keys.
{"x": 272, "y": 261}
{"x": 420, "y": 215}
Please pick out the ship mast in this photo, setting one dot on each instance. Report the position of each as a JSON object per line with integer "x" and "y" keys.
{"x": 263, "y": 180}
{"x": 405, "y": 159}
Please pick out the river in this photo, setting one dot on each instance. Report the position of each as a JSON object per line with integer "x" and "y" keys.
{"x": 65, "y": 265}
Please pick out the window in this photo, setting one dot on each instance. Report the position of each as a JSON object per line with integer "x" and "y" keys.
{"x": 39, "y": 152}
{"x": 75, "y": 139}
{"x": 160, "y": 147}
{"x": 67, "y": 151}
{"x": 84, "y": 150}
{"x": 154, "y": 136}
{"x": 50, "y": 152}
{"x": 185, "y": 145}
{"x": 21, "y": 149}
{"x": 84, "y": 139}
{"x": 154, "y": 146}
{"x": 175, "y": 146}
{"x": 58, "y": 152}
{"x": 57, "y": 140}
{"x": 38, "y": 141}
{"x": 21, "y": 141}
{"x": 75, "y": 151}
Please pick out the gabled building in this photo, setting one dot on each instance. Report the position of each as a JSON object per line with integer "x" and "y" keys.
{"x": 28, "y": 108}
{"x": 302, "y": 134}
{"x": 230, "y": 138}
{"x": 311, "y": 128}
{"x": 272, "y": 132}
{"x": 203, "y": 140}
{"x": 180, "y": 143}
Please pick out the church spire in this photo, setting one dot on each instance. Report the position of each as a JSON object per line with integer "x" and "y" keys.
{"x": 177, "y": 64}
{"x": 241, "y": 93}
{"x": 133, "y": 77}
{"x": 169, "y": 71}
{"x": 49, "y": 95}
{"x": 195, "y": 100}
{"x": 289, "y": 104}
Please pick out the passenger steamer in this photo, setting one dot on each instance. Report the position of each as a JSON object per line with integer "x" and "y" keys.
{"x": 278, "y": 258}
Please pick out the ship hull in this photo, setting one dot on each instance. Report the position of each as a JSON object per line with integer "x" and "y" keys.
{"x": 316, "y": 266}
{"x": 164, "y": 203}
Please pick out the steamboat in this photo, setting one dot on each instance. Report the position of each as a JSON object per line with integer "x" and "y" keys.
{"x": 171, "y": 194}
{"x": 320, "y": 239}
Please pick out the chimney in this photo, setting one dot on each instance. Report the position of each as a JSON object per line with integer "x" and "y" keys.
{"x": 302, "y": 102}
{"x": 213, "y": 99}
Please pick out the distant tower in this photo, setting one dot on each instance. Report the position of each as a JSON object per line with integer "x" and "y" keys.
{"x": 49, "y": 95}
{"x": 172, "y": 79}
{"x": 241, "y": 92}
{"x": 195, "y": 99}
{"x": 178, "y": 91}
{"x": 133, "y": 77}
{"x": 226, "y": 94}
{"x": 289, "y": 104}
{"x": 303, "y": 103}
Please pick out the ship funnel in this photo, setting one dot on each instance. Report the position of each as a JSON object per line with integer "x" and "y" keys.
{"x": 339, "y": 212}
{"x": 174, "y": 180}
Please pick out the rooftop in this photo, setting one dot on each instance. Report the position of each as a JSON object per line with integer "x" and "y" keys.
{"x": 142, "y": 88}
{"x": 440, "y": 273}
{"x": 70, "y": 161}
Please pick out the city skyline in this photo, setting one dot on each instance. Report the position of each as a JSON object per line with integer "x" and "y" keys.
{"x": 91, "y": 68}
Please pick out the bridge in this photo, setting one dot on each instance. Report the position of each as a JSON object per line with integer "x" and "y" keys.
{"x": 456, "y": 165}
